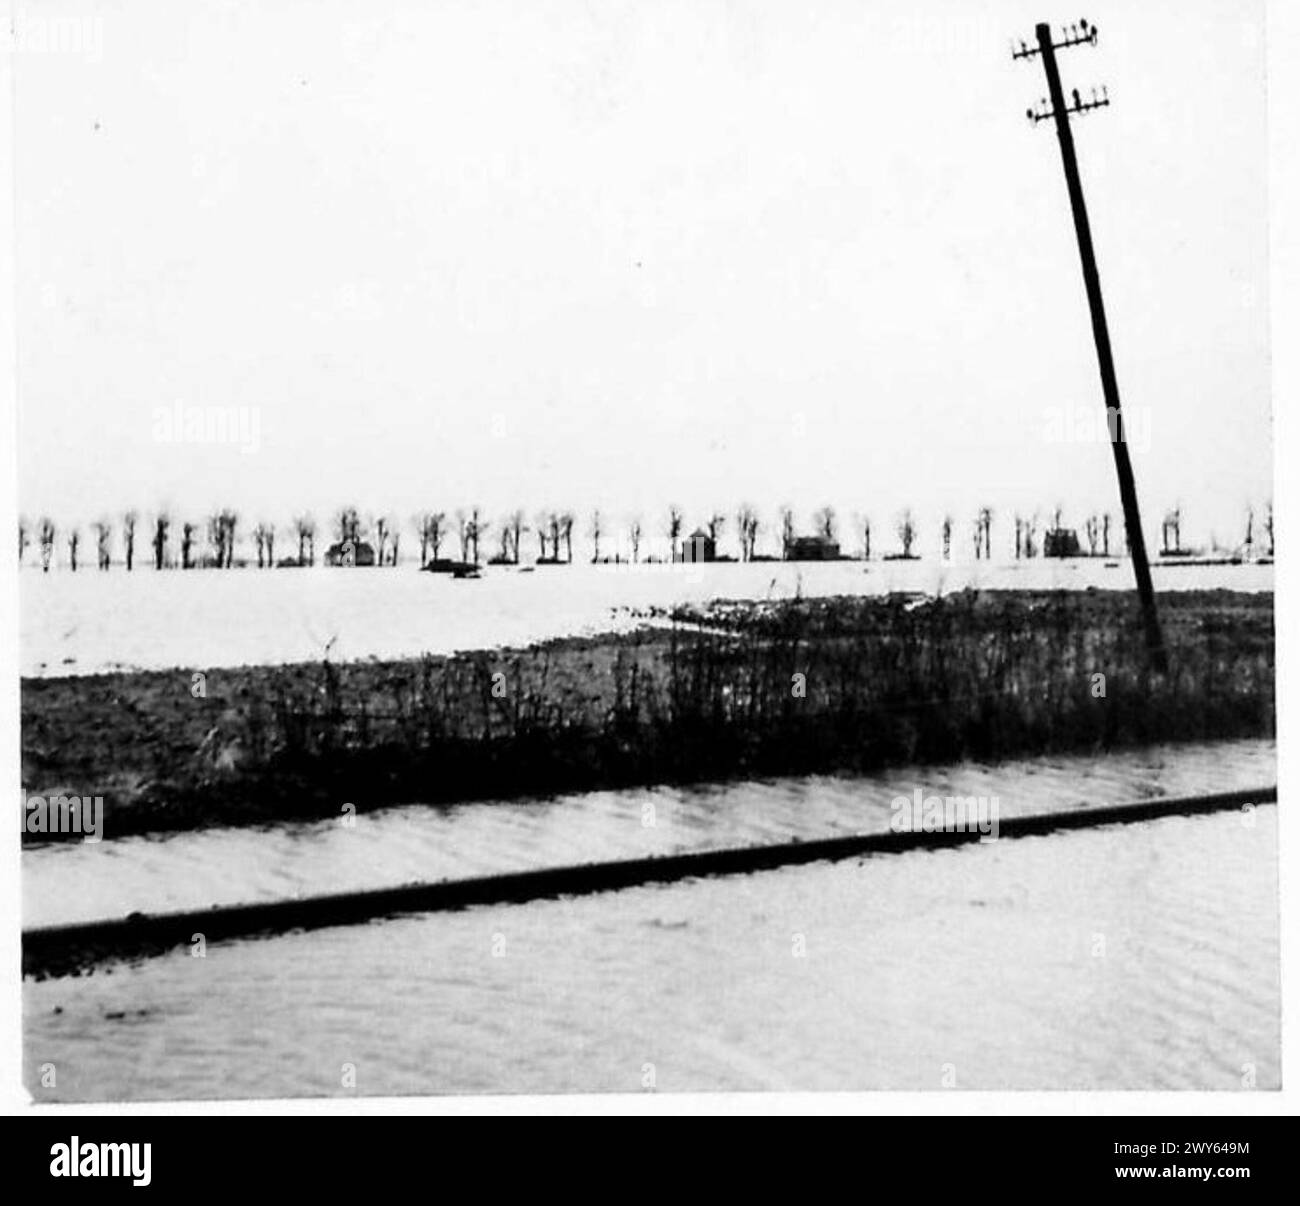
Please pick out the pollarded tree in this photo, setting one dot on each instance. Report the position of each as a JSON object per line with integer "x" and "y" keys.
{"x": 347, "y": 526}
{"x": 129, "y": 521}
{"x": 517, "y": 529}
{"x": 45, "y": 533}
{"x": 674, "y": 529}
{"x": 229, "y": 522}
{"x": 787, "y": 531}
{"x": 304, "y": 527}
{"x": 566, "y": 532}
{"x": 746, "y": 530}
{"x": 161, "y": 524}
{"x": 437, "y": 532}
{"x": 906, "y": 529}
{"x": 986, "y": 527}
{"x": 260, "y": 534}
{"x": 103, "y": 534}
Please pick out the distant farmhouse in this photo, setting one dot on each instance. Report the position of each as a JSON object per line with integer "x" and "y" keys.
{"x": 698, "y": 546}
{"x": 812, "y": 548}
{"x": 350, "y": 552}
{"x": 1061, "y": 542}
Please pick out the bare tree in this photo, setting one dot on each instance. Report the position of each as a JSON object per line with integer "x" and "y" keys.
{"x": 1105, "y": 534}
{"x": 347, "y": 526}
{"x": 462, "y": 532}
{"x": 1250, "y": 528}
{"x": 595, "y": 530}
{"x": 161, "y": 524}
{"x": 865, "y": 524}
{"x": 103, "y": 533}
{"x": 947, "y": 537}
{"x": 260, "y": 534}
{"x": 544, "y": 523}
{"x": 906, "y": 529}
{"x": 45, "y": 533}
{"x": 74, "y": 542}
{"x": 304, "y": 527}
{"x": 477, "y": 527}
{"x": 566, "y": 531}
{"x": 634, "y": 536}
{"x": 437, "y": 531}
{"x": 1170, "y": 539}
{"x": 420, "y": 522}
{"x": 747, "y": 528}
{"x": 986, "y": 526}
{"x": 229, "y": 522}
{"x": 517, "y": 530}
{"x": 717, "y": 521}
{"x": 381, "y": 527}
{"x": 674, "y": 530}
{"x": 824, "y": 522}
{"x": 187, "y": 544}
{"x": 24, "y": 536}
{"x": 787, "y": 530}
{"x": 1268, "y": 524}
{"x": 1092, "y": 530}
{"x": 129, "y": 521}
{"x": 1030, "y": 534}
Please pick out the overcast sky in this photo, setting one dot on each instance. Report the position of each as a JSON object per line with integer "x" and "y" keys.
{"x": 623, "y": 254}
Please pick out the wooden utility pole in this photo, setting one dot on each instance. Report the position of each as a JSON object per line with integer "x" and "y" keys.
{"x": 1055, "y": 108}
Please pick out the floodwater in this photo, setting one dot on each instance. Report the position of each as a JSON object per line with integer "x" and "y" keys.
{"x": 89, "y": 622}
{"x": 1127, "y": 956}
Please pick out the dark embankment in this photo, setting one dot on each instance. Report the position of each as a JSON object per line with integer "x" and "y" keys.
{"x": 742, "y": 689}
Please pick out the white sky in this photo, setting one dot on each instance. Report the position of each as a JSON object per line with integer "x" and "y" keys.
{"x": 627, "y": 254}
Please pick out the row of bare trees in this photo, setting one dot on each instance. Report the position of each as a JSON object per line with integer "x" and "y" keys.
{"x": 175, "y": 545}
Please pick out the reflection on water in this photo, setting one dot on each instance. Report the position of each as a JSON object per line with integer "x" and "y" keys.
{"x": 1137, "y": 956}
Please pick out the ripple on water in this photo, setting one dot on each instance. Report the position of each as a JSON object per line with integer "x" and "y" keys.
{"x": 1125, "y": 957}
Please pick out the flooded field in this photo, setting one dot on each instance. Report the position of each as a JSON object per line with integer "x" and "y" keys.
{"x": 1125, "y": 957}
{"x": 89, "y": 622}
{"x": 1134, "y": 956}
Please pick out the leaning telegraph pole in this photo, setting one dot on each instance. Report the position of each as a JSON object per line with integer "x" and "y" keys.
{"x": 1053, "y": 107}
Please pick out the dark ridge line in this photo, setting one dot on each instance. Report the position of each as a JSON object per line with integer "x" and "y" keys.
{"x": 58, "y": 950}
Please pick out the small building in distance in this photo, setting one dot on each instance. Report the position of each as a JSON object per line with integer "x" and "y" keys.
{"x": 698, "y": 546}
{"x": 350, "y": 552}
{"x": 1061, "y": 542}
{"x": 812, "y": 548}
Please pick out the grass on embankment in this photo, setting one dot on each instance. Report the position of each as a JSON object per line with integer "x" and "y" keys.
{"x": 739, "y": 689}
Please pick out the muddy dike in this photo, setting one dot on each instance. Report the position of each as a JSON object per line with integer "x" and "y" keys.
{"x": 731, "y": 690}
